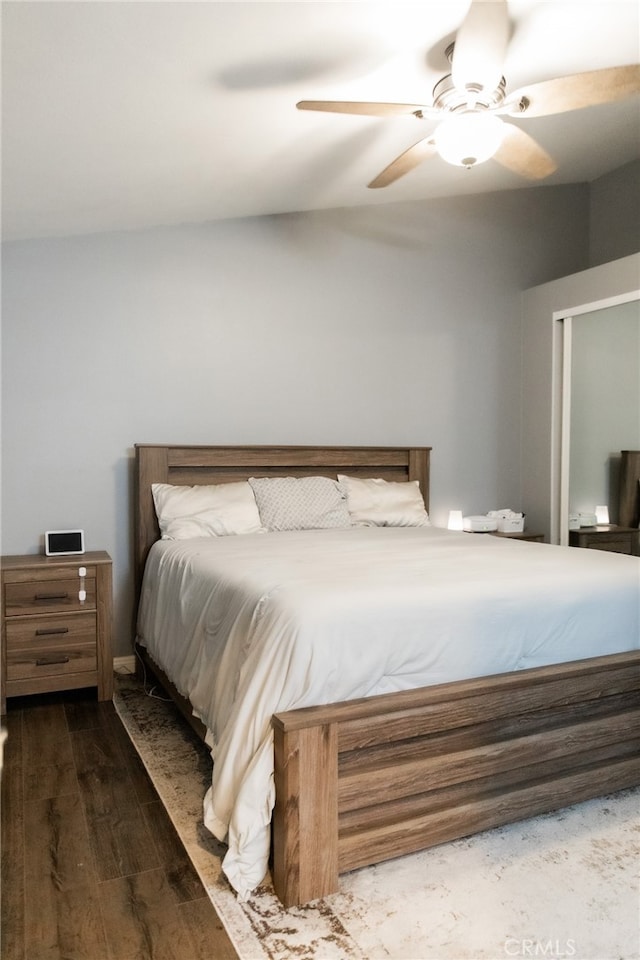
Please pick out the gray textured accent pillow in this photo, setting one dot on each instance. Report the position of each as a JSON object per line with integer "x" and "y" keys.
{"x": 300, "y": 503}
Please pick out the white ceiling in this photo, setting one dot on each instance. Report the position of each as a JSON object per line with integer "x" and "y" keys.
{"x": 125, "y": 115}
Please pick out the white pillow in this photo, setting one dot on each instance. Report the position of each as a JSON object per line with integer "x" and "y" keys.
{"x": 300, "y": 503}
{"x": 216, "y": 510}
{"x": 384, "y": 503}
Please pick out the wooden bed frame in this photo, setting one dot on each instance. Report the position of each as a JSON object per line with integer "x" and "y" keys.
{"x": 362, "y": 781}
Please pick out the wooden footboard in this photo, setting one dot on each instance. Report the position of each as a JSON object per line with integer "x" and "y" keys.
{"x": 367, "y": 780}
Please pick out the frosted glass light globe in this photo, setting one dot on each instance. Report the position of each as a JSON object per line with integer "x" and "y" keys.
{"x": 467, "y": 139}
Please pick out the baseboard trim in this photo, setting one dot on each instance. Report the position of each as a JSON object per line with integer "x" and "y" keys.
{"x": 124, "y": 664}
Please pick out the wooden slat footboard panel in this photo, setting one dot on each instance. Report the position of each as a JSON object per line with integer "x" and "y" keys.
{"x": 372, "y": 844}
{"x": 425, "y": 766}
{"x": 362, "y": 788}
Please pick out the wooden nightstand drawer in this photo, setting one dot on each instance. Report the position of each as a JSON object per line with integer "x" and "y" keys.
{"x": 41, "y": 661}
{"x": 608, "y": 537}
{"x": 612, "y": 545}
{"x": 33, "y": 632}
{"x": 48, "y": 596}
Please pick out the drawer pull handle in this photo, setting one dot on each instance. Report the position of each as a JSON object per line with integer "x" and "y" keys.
{"x": 46, "y": 597}
{"x": 51, "y": 631}
{"x": 48, "y": 661}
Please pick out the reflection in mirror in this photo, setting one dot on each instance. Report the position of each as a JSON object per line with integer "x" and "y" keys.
{"x": 605, "y": 404}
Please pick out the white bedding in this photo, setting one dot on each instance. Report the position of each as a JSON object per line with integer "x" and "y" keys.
{"x": 252, "y": 625}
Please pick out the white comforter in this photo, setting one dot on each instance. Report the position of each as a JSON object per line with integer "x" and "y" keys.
{"x": 252, "y": 625}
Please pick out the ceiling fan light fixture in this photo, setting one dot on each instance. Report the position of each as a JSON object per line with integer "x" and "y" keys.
{"x": 467, "y": 139}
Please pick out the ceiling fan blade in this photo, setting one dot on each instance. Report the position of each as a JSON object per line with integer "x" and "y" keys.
{"x": 405, "y": 162}
{"x": 520, "y": 152}
{"x": 575, "y": 92}
{"x": 368, "y": 109}
{"x": 481, "y": 45}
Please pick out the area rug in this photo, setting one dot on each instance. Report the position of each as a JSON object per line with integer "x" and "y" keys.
{"x": 556, "y": 886}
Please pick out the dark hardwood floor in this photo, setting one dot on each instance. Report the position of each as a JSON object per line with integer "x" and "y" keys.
{"x": 92, "y": 867}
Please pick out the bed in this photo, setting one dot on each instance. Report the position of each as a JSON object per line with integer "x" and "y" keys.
{"x": 368, "y": 778}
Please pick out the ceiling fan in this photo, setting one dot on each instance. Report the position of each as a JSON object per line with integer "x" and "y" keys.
{"x": 471, "y": 100}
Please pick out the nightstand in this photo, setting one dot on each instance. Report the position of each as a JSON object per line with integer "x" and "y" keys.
{"x": 607, "y": 537}
{"x": 56, "y": 624}
{"x": 521, "y": 535}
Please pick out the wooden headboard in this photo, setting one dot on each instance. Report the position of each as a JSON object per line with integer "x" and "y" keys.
{"x": 163, "y": 463}
{"x": 629, "y": 509}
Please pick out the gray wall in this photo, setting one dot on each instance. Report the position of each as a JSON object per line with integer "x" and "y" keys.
{"x": 382, "y": 325}
{"x": 390, "y": 324}
{"x": 615, "y": 215}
